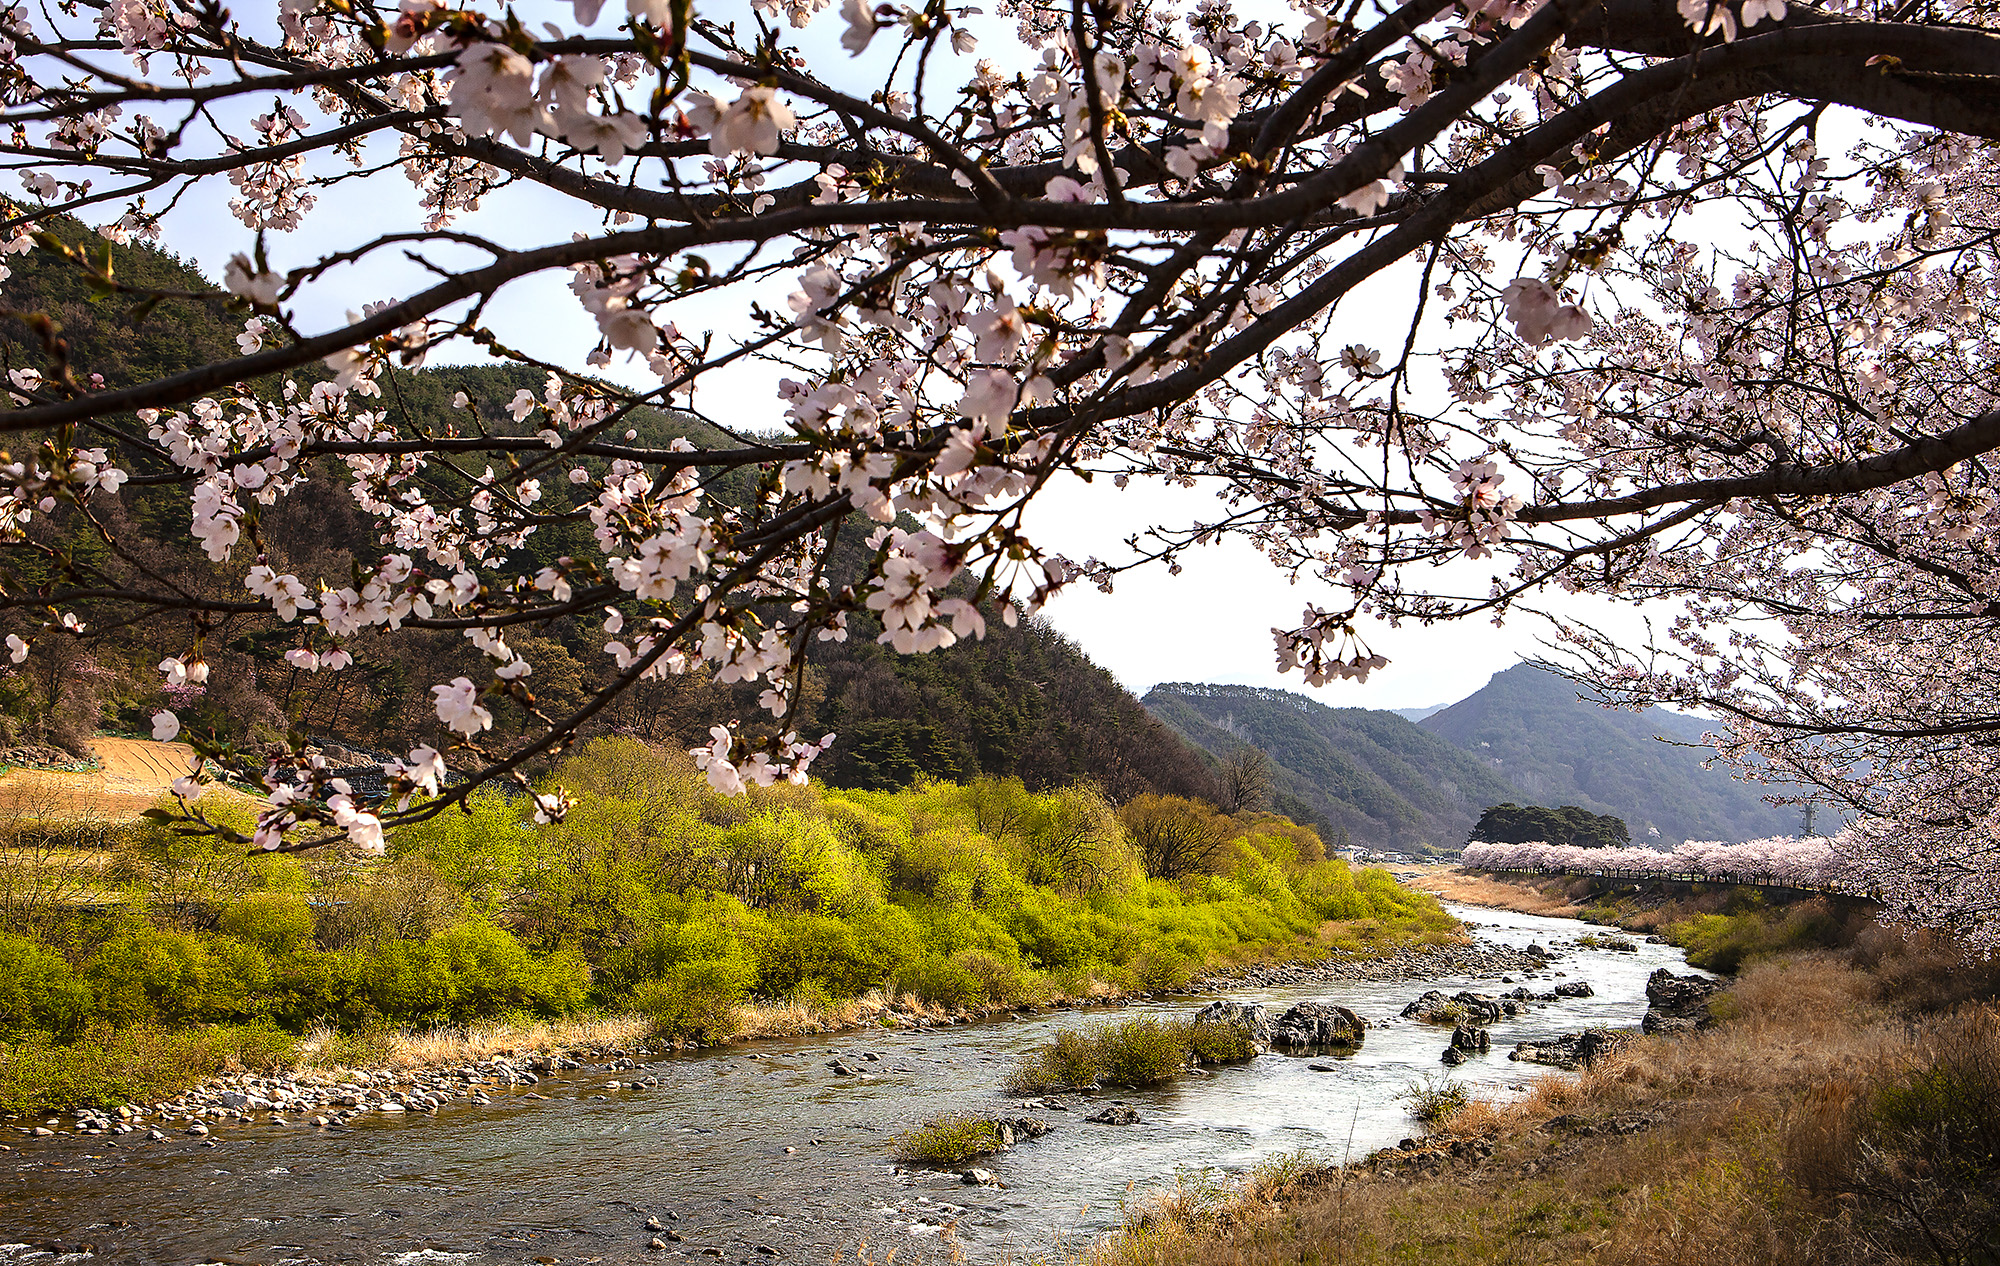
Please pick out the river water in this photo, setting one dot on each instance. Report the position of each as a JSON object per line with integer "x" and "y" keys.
{"x": 573, "y": 1177}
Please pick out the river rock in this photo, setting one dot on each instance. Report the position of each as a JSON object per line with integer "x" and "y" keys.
{"x": 1316, "y": 1024}
{"x": 1463, "y": 1007}
{"x": 1115, "y": 1114}
{"x": 1251, "y": 1018}
{"x": 1571, "y": 1050}
{"x": 977, "y": 1177}
{"x": 1018, "y": 1129}
{"x": 1574, "y": 989}
{"x": 1679, "y": 1003}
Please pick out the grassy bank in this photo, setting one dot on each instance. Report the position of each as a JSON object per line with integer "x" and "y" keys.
{"x": 1846, "y": 1111}
{"x": 793, "y": 909}
{"x": 1721, "y": 926}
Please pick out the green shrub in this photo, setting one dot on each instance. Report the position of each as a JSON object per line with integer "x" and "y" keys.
{"x": 38, "y": 990}
{"x": 940, "y": 981}
{"x": 275, "y": 922}
{"x": 696, "y": 1001}
{"x": 1000, "y": 980}
{"x": 1139, "y": 1052}
{"x": 1142, "y": 1052}
{"x": 145, "y": 973}
{"x": 1069, "y": 1061}
{"x": 1215, "y": 1042}
{"x": 1435, "y": 1099}
{"x": 470, "y": 971}
{"x": 947, "y": 1140}
{"x": 134, "y": 1064}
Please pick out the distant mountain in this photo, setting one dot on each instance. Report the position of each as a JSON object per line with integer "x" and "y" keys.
{"x": 1378, "y": 777}
{"x": 1418, "y": 714}
{"x": 1528, "y": 726}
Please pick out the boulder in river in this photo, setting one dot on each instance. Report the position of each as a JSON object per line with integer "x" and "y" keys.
{"x": 1571, "y": 1050}
{"x": 1679, "y": 1003}
{"x": 1466, "y": 1041}
{"x": 1115, "y": 1114}
{"x": 1249, "y": 1017}
{"x": 1013, "y": 1130}
{"x": 1463, "y": 1007}
{"x": 1574, "y": 989}
{"x": 1317, "y": 1024}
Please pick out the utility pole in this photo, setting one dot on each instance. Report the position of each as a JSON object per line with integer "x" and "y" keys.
{"x": 1811, "y": 811}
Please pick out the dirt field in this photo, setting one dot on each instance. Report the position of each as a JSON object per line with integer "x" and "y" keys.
{"x": 1453, "y": 884}
{"x": 135, "y": 775}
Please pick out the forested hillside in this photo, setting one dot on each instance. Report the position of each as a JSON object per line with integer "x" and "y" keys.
{"x": 1025, "y": 702}
{"x": 1371, "y": 774}
{"x": 1529, "y": 727}
{"x": 1524, "y": 737}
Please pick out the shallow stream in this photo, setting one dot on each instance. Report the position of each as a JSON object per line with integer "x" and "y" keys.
{"x": 574, "y": 1176}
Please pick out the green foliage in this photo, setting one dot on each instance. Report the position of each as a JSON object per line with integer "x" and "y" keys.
{"x": 696, "y": 1000}
{"x": 469, "y": 971}
{"x": 1213, "y": 1042}
{"x": 1574, "y": 825}
{"x": 659, "y": 896}
{"x": 947, "y": 1140}
{"x": 1723, "y": 943}
{"x": 940, "y": 981}
{"x": 38, "y": 990}
{"x": 131, "y": 1064}
{"x": 1139, "y": 1052}
{"x": 275, "y": 922}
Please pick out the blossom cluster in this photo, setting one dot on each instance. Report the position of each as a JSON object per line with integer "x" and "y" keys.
{"x": 1487, "y": 291}
{"x": 1810, "y": 862}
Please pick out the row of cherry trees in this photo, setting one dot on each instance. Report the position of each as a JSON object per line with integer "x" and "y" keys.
{"x": 1780, "y": 861}
{"x": 1684, "y": 302}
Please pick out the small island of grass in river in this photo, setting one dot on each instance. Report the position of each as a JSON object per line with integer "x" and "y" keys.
{"x": 130, "y": 971}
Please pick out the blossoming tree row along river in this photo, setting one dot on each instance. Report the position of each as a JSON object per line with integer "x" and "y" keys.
{"x": 1780, "y": 861}
{"x": 1690, "y": 306}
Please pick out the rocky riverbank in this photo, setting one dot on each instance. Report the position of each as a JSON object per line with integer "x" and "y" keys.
{"x": 1473, "y": 958}
{"x": 329, "y": 1100}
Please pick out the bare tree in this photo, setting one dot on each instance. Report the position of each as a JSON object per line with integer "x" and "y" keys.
{"x": 1174, "y": 836}
{"x": 1246, "y": 781}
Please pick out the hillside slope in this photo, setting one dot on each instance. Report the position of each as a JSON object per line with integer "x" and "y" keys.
{"x": 1025, "y": 702}
{"x": 1528, "y": 726}
{"x": 1378, "y": 777}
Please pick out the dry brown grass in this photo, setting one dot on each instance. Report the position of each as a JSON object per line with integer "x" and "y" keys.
{"x": 1818, "y": 1126}
{"x": 795, "y": 1018}
{"x": 458, "y": 1044}
{"x": 1523, "y": 895}
{"x": 135, "y": 773}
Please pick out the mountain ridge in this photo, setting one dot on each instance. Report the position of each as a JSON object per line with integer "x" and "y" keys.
{"x": 1525, "y": 736}
{"x": 1369, "y": 774}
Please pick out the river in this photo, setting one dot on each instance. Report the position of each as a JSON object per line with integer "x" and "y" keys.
{"x": 761, "y": 1144}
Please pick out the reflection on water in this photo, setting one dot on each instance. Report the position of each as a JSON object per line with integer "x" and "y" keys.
{"x": 574, "y": 1177}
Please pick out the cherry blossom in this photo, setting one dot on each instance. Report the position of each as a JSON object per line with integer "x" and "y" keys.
{"x": 1663, "y": 304}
